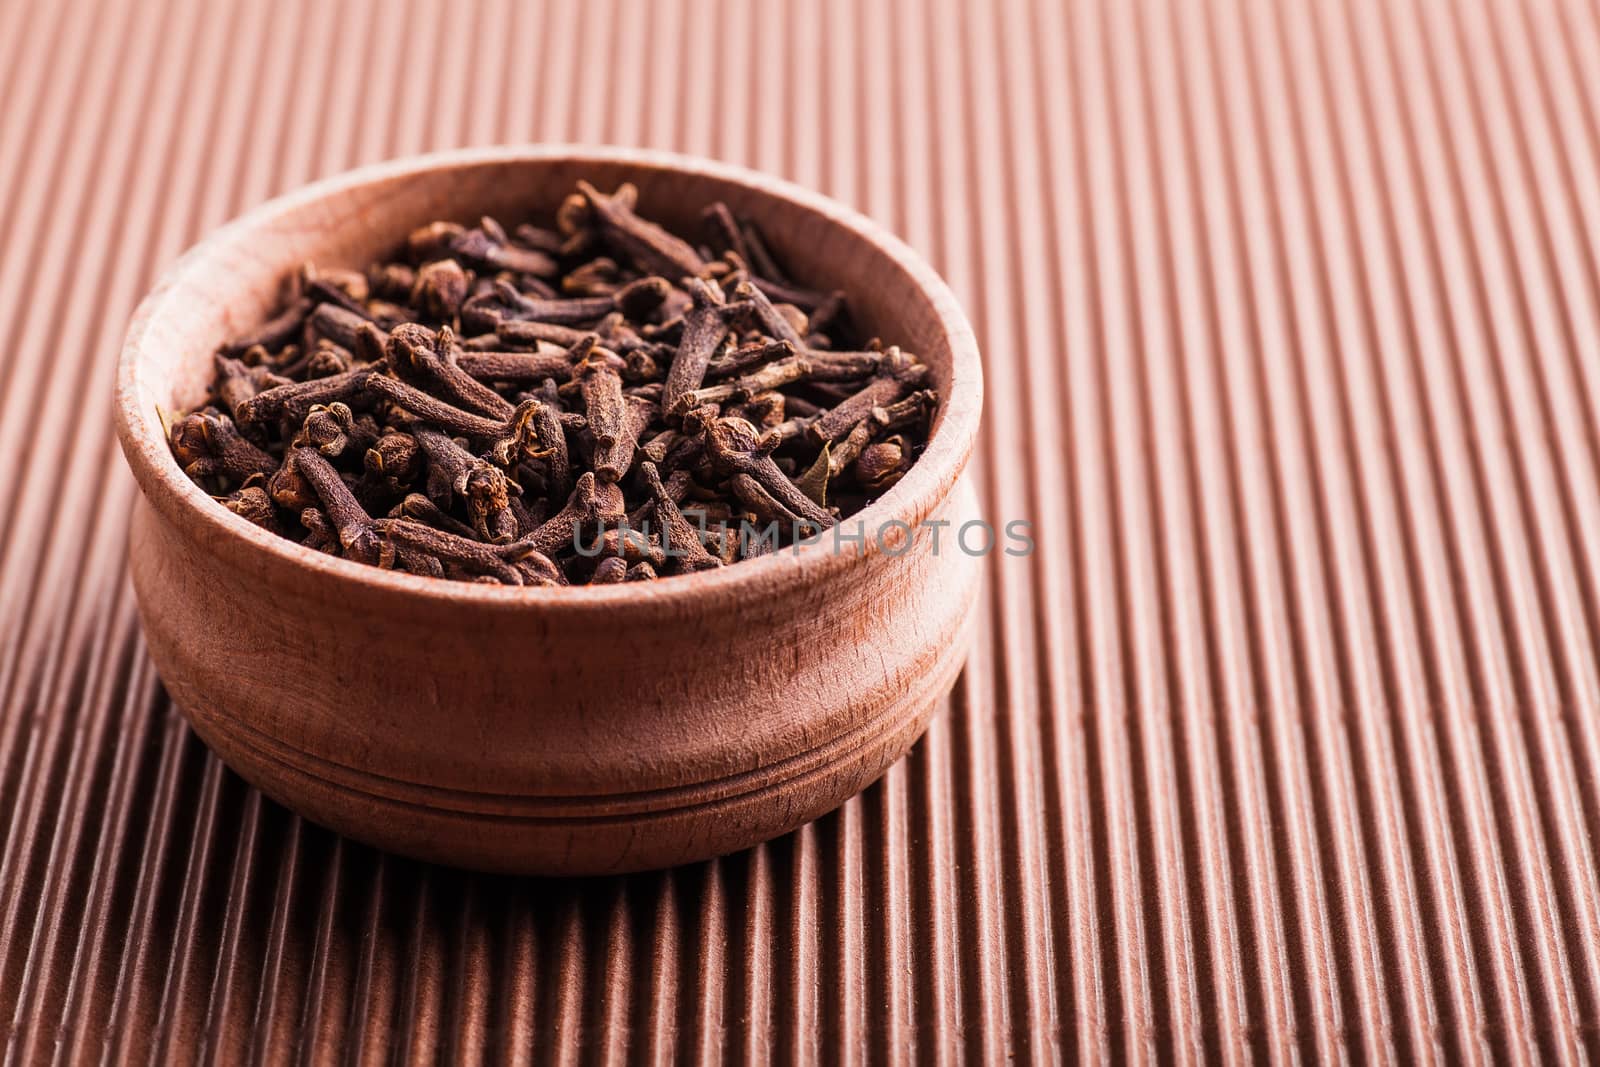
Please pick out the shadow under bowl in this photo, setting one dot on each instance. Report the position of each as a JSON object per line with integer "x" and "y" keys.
{"x": 575, "y": 730}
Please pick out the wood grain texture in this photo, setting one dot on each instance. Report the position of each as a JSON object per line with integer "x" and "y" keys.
{"x": 1285, "y": 743}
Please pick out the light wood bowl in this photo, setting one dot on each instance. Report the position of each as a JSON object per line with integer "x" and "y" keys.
{"x": 552, "y": 731}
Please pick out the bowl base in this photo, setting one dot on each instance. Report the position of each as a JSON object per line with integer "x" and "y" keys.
{"x": 571, "y": 835}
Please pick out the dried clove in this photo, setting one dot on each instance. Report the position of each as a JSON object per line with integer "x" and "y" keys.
{"x": 735, "y": 449}
{"x": 684, "y": 546}
{"x": 208, "y": 444}
{"x": 589, "y": 400}
{"x": 349, "y": 519}
{"x": 704, "y": 328}
{"x": 428, "y": 359}
{"x": 254, "y": 505}
{"x": 898, "y": 374}
{"x": 489, "y": 247}
{"x": 654, "y": 249}
{"x": 439, "y": 289}
{"x": 882, "y": 464}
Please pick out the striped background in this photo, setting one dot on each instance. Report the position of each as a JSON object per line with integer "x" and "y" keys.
{"x": 1286, "y": 740}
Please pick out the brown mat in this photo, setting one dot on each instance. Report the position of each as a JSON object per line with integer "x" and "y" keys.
{"x": 1285, "y": 739}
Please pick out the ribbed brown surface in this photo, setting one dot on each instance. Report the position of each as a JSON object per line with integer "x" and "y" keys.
{"x": 1286, "y": 739}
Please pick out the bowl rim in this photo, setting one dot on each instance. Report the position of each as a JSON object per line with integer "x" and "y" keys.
{"x": 919, "y": 492}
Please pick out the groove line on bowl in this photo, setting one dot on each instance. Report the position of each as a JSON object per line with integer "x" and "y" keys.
{"x": 704, "y": 796}
{"x": 832, "y": 752}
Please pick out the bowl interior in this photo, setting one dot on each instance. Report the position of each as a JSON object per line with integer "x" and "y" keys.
{"x": 362, "y": 223}
{"x": 234, "y": 281}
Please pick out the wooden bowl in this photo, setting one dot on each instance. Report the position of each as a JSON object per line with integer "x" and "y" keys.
{"x": 573, "y": 730}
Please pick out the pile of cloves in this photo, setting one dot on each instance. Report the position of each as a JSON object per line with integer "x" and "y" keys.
{"x": 601, "y": 401}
